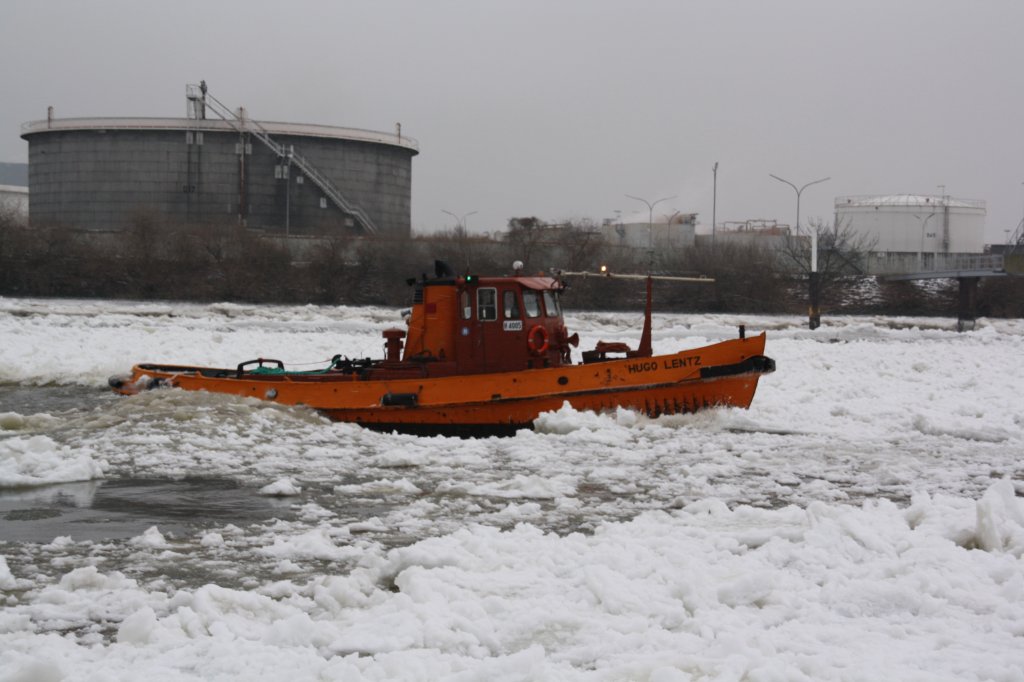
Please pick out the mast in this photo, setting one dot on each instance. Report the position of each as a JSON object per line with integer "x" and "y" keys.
{"x": 644, "y": 349}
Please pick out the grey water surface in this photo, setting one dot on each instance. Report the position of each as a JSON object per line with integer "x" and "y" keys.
{"x": 122, "y": 508}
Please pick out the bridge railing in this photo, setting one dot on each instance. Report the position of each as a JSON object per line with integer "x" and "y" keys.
{"x": 932, "y": 263}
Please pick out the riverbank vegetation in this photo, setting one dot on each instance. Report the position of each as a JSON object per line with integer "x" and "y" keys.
{"x": 229, "y": 263}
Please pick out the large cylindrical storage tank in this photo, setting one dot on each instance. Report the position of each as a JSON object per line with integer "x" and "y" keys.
{"x": 915, "y": 223}
{"x": 106, "y": 174}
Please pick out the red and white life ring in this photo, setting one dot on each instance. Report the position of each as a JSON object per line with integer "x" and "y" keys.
{"x": 537, "y": 340}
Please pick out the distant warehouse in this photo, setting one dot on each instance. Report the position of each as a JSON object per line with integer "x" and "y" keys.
{"x": 105, "y": 174}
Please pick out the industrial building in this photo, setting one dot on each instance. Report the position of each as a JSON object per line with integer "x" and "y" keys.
{"x": 759, "y": 232}
{"x": 675, "y": 232}
{"x": 219, "y": 166}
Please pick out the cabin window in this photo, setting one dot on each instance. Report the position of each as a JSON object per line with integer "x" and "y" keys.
{"x": 551, "y": 304}
{"x": 511, "y": 305}
{"x": 531, "y": 304}
{"x": 486, "y": 304}
{"x": 467, "y": 310}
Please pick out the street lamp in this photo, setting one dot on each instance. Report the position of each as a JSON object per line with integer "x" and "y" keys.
{"x": 460, "y": 223}
{"x": 650, "y": 224}
{"x": 668, "y": 225}
{"x": 714, "y": 201}
{"x": 920, "y": 251}
{"x": 814, "y": 316}
{"x": 814, "y": 233}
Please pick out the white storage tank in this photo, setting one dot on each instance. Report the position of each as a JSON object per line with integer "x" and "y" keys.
{"x": 915, "y": 223}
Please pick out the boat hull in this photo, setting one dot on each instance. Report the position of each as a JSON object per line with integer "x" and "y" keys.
{"x": 722, "y": 374}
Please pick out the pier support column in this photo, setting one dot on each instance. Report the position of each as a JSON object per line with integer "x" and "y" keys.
{"x": 814, "y": 295}
{"x": 967, "y": 303}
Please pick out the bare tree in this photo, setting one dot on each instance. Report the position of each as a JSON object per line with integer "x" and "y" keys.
{"x": 524, "y": 236}
{"x": 579, "y": 244}
{"x": 746, "y": 278}
{"x": 842, "y": 254}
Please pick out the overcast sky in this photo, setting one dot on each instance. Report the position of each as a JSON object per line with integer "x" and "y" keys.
{"x": 560, "y": 108}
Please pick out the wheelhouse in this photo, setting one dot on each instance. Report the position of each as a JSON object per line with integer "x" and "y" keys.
{"x": 488, "y": 324}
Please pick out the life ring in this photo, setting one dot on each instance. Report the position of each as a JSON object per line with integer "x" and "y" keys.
{"x": 538, "y": 347}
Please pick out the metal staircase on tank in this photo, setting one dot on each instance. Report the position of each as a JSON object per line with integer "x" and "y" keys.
{"x": 1015, "y": 251}
{"x": 200, "y": 100}
{"x": 1017, "y": 240}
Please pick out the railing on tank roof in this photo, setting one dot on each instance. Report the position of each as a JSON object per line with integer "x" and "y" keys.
{"x": 280, "y": 128}
{"x": 868, "y": 200}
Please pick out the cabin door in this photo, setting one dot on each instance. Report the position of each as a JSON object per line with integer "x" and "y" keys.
{"x": 476, "y": 314}
{"x": 490, "y": 336}
{"x": 501, "y": 328}
{"x": 505, "y": 337}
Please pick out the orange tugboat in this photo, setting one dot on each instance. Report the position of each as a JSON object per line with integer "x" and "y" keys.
{"x": 485, "y": 356}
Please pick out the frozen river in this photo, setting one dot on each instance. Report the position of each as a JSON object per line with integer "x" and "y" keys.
{"x": 861, "y": 521}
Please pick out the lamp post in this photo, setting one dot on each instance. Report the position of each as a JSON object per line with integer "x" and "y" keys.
{"x": 714, "y": 201}
{"x": 460, "y": 223}
{"x": 799, "y": 193}
{"x": 945, "y": 220}
{"x": 814, "y": 314}
{"x": 650, "y": 225}
{"x": 920, "y": 252}
{"x": 668, "y": 225}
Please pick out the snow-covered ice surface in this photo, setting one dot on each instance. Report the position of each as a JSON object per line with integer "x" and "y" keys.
{"x": 862, "y": 521}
